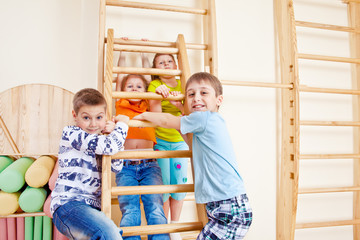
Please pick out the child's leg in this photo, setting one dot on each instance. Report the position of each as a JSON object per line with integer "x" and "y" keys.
{"x": 164, "y": 164}
{"x": 153, "y": 204}
{"x": 178, "y": 175}
{"x": 129, "y": 204}
{"x": 228, "y": 219}
{"x": 77, "y": 220}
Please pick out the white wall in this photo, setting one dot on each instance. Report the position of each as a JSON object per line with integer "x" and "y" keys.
{"x": 55, "y": 42}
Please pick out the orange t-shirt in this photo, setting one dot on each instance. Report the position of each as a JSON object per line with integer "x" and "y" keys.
{"x": 124, "y": 107}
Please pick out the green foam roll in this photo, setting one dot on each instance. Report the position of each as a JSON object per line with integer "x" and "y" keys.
{"x": 5, "y": 161}
{"x": 12, "y": 178}
{"x": 29, "y": 228}
{"x": 47, "y": 228}
{"x": 32, "y": 199}
{"x": 38, "y": 227}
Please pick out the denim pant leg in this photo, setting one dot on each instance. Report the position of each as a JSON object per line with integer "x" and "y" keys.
{"x": 77, "y": 220}
{"x": 129, "y": 204}
{"x": 153, "y": 203}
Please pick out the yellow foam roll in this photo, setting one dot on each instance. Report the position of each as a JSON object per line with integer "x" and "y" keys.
{"x": 40, "y": 171}
{"x": 9, "y": 203}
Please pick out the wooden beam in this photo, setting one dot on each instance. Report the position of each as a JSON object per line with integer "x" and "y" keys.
{"x": 151, "y": 6}
{"x": 328, "y": 224}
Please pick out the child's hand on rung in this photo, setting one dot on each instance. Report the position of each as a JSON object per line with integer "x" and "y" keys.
{"x": 163, "y": 90}
{"x": 109, "y": 127}
{"x": 122, "y": 118}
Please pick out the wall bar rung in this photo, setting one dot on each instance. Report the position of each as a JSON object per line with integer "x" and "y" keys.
{"x": 326, "y": 26}
{"x": 152, "y": 6}
{"x": 195, "y": 46}
{"x": 144, "y": 95}
{"x": 327, "y": 224}
{"x": 330, "y": 123}
{"x": 152, "y": 189}
{"x": 161, "y": 228}
{"x": 350, "y": 1}
{"x": 328, "y": 190}
{"x": 303, "y": 88}
{"x": 146, "y": 71}
{"x": 146, "y": 49}
{"x": 329, "y": 156}
{"x": 328, "y": 58}
{"x": 256, "y": 84}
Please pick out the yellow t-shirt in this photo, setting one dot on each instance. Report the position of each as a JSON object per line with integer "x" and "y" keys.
{"x": 167, "y": 134}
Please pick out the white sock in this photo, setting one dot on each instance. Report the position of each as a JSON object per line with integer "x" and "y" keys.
{"x": 175, "y": 236}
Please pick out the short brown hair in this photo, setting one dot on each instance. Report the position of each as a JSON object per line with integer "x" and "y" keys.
{"x": 204, "y": 76}
{"x": 123, "y": 82}
{"x": 88, "y": 96}
{"x": 154, "y": 77}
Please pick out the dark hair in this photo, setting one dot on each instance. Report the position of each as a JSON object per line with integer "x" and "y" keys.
{"x": 204, "y": 76}
{"x": 154, "y": 77}
{"x": 88, "y": 96}
{"x": 126, "y": 78}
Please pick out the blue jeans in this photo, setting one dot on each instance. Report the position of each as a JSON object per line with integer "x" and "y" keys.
{"x": 174, "y": 170}
{"x": 146, "y": 173}
{"x": 77, "y": 220}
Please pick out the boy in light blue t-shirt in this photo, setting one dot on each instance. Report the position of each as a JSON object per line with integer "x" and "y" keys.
{"x": 217, "y": 180}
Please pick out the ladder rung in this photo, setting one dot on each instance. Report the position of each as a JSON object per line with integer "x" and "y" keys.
{"x": 152, "y": 154}
{"x": 328, "y": 190}
{"x": 151, "y": 189}
{"x": 328, "y": 58}
{"x": 327, "y": 224}
{"x": 326, "y": 26}
{"x": 137, "y": 123}
{"x": 152, "y": 6}
{"x": 256, "y": 84}
{"x": 195, "y": 46}
{"x": 189, "y": 197}
{"x": 161, "y": 228}
{"x": 145, "y": 95}
{"x": 146, "y": 49}
{"x": 329, "y": 156}
{"x": 303, "y": 88}
{"x": 349, "y": 1}
{"x": 146, "y": 71}
{"x": 330, "y": 123}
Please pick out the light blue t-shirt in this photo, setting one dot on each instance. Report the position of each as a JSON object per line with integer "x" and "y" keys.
{"x": 215, "y": 166}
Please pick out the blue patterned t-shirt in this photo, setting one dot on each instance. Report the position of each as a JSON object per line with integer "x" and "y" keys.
{"x": 80, "y": 164}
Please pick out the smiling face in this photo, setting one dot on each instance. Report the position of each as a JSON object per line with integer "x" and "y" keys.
{"x": 91, "y": 119}
{"x": 201, "y": 96}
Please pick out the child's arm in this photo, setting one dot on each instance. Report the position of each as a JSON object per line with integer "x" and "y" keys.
{"x": 121, "y": 63}
{"x": 145, "y": 62}
{"x": 165, "y": 120}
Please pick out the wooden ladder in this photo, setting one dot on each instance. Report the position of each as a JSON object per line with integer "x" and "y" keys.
{"x": 290, "y": 157}
{"x": 209, "y": 32}
{"x": 107, "y": 190}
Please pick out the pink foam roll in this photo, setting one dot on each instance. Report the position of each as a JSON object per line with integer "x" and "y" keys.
{"x": 58, "y": 235}
{"x": 20, "y": 228}
{"x": 11, "y": 228}
{"x": 3, "y": 229}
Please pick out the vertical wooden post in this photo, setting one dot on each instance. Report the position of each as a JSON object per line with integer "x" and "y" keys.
{"x": 354, "y": 21}
{"x": 289, "y": 170}
{"x": 106, "y": 161}
{"x": 101, "y": 44}
{"x": 210, "y": 38}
